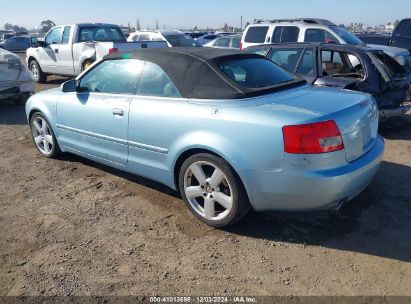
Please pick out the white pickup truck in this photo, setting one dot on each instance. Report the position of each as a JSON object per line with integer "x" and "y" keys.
{"x": 68, "y": 50}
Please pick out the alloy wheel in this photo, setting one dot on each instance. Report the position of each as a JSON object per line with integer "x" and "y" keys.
{"x": 35, "y": 71}
{"x": 42, "y": 135}
{"x": 208, "y": 190}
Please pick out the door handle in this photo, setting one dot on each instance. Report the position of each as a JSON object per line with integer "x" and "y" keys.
{"x": 118, "y": 112}
{"x": 56, "y": 51}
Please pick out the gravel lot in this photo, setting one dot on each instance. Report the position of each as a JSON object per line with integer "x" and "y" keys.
{"x": 74, "y": 227}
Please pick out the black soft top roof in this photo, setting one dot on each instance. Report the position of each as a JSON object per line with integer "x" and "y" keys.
{"x": 196, "y": 74}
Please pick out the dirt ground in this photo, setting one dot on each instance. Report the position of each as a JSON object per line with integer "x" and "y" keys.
{"x": 73, "y": 227}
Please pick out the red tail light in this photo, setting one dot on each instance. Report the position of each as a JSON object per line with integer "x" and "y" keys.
{"x": 241, "y": 45}
{"x": 112, "y": 50}
{"x": 320, "y": 137}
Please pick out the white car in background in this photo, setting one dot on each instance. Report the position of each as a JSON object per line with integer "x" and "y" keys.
{"x": 16, "y": 81}
{"x": 225, "y": 42}
{"x": 173, "y": 38}
{"x": 311, "y": 30}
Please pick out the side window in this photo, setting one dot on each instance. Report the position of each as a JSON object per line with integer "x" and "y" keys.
{"x": 306, "y": 66}
{"x": 155, "y": 82}
{"x": 256, "y": 34}
{"x": 286, "y": 58}
{"x": 157, "y": 37}
{"x": 144, "y": 37}
{"x": 284, "y": 34}
{"x": 66, "y": 35}
{"x": 113, "y": 76}
{"x": 319, "y": 35}
{"x": 223, "y": 42}
{"x": 339, "y": 64}
{"x": 54, "y": 37}
{"x": 235, "y": 43}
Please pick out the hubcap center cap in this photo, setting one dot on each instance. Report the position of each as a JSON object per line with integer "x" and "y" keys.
{"x": 209, "y": 189}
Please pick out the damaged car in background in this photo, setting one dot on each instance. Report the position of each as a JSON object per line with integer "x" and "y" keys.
{"x": 68, "y": 50}
{"x": 16, "y": 81}
{"x": 363, "y": 69}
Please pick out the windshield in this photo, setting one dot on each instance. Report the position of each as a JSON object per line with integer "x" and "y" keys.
{"x": 182, "y": 40}
{"x": 102, "y": 33}
{"x": 255, "y": 72}
{"x": 348, "y": 37}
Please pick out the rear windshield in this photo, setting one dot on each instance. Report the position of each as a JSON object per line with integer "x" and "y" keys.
{"x": 181, "y": 40}
{"x": 256, "y": 34}
{"x": 255, "y": 72}
{"x": 102, "y": 33}
{"x": 348, "y": 37}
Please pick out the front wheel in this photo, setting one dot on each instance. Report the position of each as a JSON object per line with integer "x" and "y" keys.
{"x": 38, "y": 74}
{"x": 43, "y": 136}
{"x": 212, "y": 191}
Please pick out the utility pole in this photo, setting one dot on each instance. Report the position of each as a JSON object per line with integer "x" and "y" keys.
{"x": 241, "y": 24}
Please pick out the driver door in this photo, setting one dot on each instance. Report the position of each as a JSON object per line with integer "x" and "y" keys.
{"x": 49, "y": 53}
{"x": 93, "y": 121}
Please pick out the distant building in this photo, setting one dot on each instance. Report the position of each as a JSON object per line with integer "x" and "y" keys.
{"x": 390, "y": 27}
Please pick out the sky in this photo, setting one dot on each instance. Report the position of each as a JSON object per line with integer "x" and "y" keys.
{"x": 187, "y": 14}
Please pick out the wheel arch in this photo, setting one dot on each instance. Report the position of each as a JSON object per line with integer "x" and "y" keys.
{"x": 30, "y": 59}
{"x": 183, "y": 156}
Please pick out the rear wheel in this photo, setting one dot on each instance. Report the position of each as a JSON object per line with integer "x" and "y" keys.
{"x": 43, "y": 136}
{"x": 38, "y": 74}
{"x": 212, "y": 191}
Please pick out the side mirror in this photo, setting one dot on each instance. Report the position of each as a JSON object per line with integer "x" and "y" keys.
{"x": 34, "y": 43}
{"x": 69, "y": 86}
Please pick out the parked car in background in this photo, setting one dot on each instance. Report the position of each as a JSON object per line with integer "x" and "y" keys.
{"x": 173, "y": 38}
{"x": 207, "y": 38}
{"x": 195, "y": 35}
{"x": 175, "y": 116}
{"x": 70, "y": 49}
{"x": 224, "y": 42}
{"x": 311, "y": 30}
{"x": 16, "y": 44}
{"x": 362, "y": 69}
{"x": 6, "y": 36}
{"x": 16, "y": 81}
{"x": 401, "y": 37}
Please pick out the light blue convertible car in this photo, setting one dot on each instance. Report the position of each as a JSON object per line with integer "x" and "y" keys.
{"x": 231, "y": 131}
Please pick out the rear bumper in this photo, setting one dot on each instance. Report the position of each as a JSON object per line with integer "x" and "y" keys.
{"x": 300, "y": 189}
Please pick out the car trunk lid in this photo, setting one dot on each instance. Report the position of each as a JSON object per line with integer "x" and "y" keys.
{"x": 356, "y": 115}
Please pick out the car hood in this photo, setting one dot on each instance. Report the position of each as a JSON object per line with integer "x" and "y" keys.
{"x": 390, "y": 50}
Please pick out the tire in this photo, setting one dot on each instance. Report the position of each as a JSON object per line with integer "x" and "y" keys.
{"x": 212, "y": 190}
{"x": 38, "y": 74}
{"x": 43, "y": 136}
